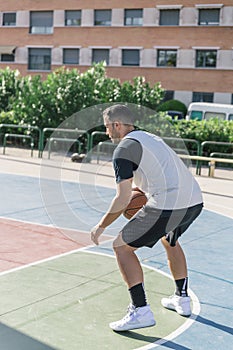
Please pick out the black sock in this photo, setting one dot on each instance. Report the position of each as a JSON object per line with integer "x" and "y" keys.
{"x": 138, "y": 296}
{"x": 181, "y": 287}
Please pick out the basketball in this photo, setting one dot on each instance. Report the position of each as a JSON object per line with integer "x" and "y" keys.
{"x": 137, "y": 201}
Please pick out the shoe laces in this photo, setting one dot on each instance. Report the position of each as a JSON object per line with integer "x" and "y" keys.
{"x": 173, "y": 296}
{"x": 131, "y": 309}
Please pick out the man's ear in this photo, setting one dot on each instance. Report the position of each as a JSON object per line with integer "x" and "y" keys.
{"x": 117, "y": 123}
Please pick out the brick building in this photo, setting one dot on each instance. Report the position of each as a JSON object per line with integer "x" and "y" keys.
{"x": 187, "y": 45}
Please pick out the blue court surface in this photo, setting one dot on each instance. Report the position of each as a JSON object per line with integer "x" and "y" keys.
{"x": 67, "y": 300}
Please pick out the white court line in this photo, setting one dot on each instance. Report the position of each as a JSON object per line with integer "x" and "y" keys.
{"x": 50, "y": 226}
{"x": 179, "y": 330}
{"x": 18, "y": 268}
{"x": 39, "y": 224}
{"x": 44, "y": 225}
{"x": 196, "y": 304}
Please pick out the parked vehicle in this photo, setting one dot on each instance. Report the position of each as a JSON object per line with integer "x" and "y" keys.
{"x": 176, "y": 114}
{"x": 202, "y": 110}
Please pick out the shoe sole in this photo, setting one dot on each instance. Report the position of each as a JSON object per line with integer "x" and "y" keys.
{"x": 132, "y": 327}
{"x": 184, "y": 314}
{"x": 174, "y": 309}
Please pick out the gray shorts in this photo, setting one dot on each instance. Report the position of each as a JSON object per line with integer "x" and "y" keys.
{"x": 151, "y": 224}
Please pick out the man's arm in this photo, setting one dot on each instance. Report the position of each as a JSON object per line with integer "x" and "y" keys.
{"x": 118, "y": 205}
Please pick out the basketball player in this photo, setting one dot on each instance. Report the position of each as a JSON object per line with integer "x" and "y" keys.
{"x": 174, "y": 202}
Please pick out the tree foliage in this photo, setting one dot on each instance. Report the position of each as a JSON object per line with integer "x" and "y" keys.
{"x": 9, "y": 85}
{"x": 47, "y": 103}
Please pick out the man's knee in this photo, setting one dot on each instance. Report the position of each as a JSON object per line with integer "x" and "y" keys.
{"x": 119, "y": 245}
{"x": 164, "y": 241}
{"x": 167, "y": 245}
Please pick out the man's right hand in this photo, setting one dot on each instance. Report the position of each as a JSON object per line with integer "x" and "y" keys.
{"x": 96, "y": 231}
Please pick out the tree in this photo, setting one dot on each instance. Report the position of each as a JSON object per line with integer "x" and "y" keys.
{"x": 9, "y": 84}
{"x": 65, "y": 92}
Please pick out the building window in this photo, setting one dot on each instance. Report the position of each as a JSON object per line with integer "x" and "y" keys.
{"x": 203, "y": 97}
{"x": 5, "y": 57}
{"x": 100, "y": 55}
{"x": 7, "y": 53}
{"x": 103, "y": 17}
{"x": 209, "y": 17}
{"x": 133, "y": 17}
{"x": 168, "y": 95}
{"x": 169, "y": 17}
{"x": 206, "y": 58}
{"x": 39, "y": 59}
{"x": 9, "y": 19}
{"x": 130, "y": 57}
{"x": 41, "y": 22}
{"x": 73, "y": 18}
{"x": 71, "y": 56}
{"x": 166, "y": 58}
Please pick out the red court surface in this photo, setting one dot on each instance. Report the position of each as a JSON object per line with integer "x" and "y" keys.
{"x": 24, "y": 243}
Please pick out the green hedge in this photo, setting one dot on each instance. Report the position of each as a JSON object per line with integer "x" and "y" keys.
{"x": 172, "y": 105}
{"x": 211, "y": 130}
{"x": 208, "y": 130}
{"x": 205, "y": 130}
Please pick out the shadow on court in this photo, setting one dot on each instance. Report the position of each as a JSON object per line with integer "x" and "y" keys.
{"x": 138, "y": 336}
{"x": 12, "y": 340}
{"x": 149, "y": 339}
{"x": 210, "y": 323}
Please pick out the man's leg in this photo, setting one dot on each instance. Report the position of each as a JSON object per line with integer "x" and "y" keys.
{"x": 128, "y": 262}
{"x": 176, "y": 260}
{"x": 179, "y": 302}
{"x": 139, "y": 314}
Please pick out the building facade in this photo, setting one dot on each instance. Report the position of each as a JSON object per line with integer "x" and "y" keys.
{"x": 186, "y": 45}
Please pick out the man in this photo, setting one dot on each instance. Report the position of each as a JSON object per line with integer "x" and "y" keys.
{"x": 174, "y": 201}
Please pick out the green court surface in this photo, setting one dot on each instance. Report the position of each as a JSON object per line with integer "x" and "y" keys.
{"x": 67, "y": 303}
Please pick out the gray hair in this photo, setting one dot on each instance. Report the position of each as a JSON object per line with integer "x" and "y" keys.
{"x": 119, "y": 113}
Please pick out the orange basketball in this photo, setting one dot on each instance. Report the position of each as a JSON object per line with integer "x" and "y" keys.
{"x": 138, "y": 199}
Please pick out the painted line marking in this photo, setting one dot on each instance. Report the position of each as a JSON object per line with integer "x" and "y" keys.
{"x": 54, "y": 233}
{"x": 179, "y": 330}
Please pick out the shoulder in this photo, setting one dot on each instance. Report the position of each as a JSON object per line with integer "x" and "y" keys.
{"x": 128, "y": 148}
{"x": 130, "y": 140}
{"x": 128, "y": 143}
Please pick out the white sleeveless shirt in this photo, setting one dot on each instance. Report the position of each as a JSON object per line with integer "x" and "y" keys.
{"x": 162, "y": 175}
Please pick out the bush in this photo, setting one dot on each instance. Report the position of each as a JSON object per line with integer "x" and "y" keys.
{"x": 173, "y": 105}
{"x": 205, "y": 130}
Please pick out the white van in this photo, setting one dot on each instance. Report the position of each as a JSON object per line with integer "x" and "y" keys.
{"x": 202, "y": 110}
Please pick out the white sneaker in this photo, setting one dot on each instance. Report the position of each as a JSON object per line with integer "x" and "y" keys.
{"x": 180, "y": 304}
{"x": 139, "y": 317}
